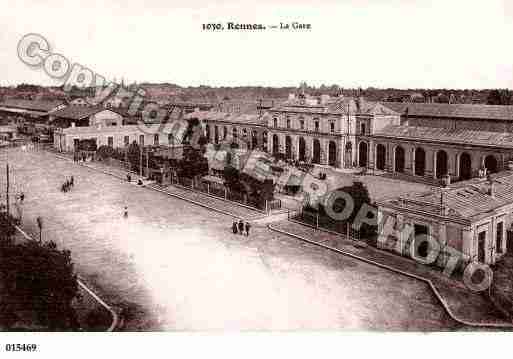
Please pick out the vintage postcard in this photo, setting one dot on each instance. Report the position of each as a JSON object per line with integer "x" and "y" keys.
{"x": 270, "y": 166}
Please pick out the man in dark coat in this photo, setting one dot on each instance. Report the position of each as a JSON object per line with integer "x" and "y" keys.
{"x": 241, "y": 227}
{"x": 234, "y": 227}
{"x": 248, "y": 227}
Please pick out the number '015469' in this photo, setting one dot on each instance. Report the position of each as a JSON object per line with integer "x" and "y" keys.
{"x": 20, "y": 347}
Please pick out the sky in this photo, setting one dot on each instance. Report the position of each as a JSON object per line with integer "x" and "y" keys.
{"x": 378, "y": 43}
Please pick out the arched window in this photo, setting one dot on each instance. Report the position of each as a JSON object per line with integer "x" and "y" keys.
{"x": 275, "y": 122}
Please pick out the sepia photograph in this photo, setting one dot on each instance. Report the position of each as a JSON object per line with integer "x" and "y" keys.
{"x": 212, "y": 171}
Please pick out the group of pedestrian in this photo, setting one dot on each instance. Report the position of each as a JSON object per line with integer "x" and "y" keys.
{"x": 68, "y": 184}
{"x": 241, "y": 227}
{"x": 21, "y": 197}
{"x": 79, "y": 156}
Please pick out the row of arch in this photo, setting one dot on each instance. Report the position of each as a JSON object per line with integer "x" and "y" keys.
{"x": 222, "y": 136}
{"x": 441, "y": 165}
{"x": 302, "y": 155}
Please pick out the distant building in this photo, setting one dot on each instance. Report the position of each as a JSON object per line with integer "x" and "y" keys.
{"x": 434, "y": 140}
{"x": 115, "y": 136}
{"x": 8, "y": 133}
{"x": 19, "y": 111}
{"x": 82, "y": 116}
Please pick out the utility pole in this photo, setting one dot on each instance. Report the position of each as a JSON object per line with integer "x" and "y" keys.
{"x": 147, "y": 164}
{"x": 140, "y": 159}
{"x": 7, "y": 192}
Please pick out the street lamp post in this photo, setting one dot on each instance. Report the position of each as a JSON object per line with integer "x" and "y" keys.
{"x": 40, "y": 225}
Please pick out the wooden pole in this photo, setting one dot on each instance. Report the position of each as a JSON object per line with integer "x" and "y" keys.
{"x": 7, "y": 191}
{"x": 140, "y": 159}
{"x": 147, "y": 164}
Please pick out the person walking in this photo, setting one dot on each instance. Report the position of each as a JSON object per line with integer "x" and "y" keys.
{"x": 248, "y": 227}
{"x": 234, "y": 227}
{"x": 125, "y": 213}
{"x": 72, "y": 181}
{"x": 241, "y": 227}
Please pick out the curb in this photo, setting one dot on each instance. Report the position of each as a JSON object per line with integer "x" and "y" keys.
{"x": 197, "y": 203}
{"x": 408, "y": 274}
{"x": 220, "y": 198}
{"x": 114, "y": 315}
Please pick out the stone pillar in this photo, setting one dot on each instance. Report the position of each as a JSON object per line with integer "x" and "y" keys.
{"x": 309, "y": 148}
{"x": 295, "y": 147}
{"x": 324, "y": 151}
{"x": 428, "y": 173}
{"x": 371, "y": 163}
{"x": 410, "y": 159}
{"x": 389, "y": 157}
{"x": 467, "y": 245}
{"x": 442, "y": 234}
{"x": 434, "y": 164}
{"x": 452, "y": 163}
{"x": 281, "y": 138}
{"x": 340, "y": 153}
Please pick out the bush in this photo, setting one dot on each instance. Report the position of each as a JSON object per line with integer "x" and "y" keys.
{"x": 105, "y": 152}
{"x": 7, "y": 229}
{"x": 40, "y": 279}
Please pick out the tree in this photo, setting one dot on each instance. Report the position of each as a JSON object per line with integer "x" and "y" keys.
{"x": 499, "y": 97}
{"x": 360, "y": 195}
{"x": 7, "y": 229}
{"x": 134, "y": 156}
{"x": 193, "y": 164}
{"x": 41, "y": 279}
{"x": 232, "y": 179}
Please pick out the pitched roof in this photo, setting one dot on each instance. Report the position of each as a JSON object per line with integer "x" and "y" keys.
{"x": 338, "y": 106}
{"x": 471, "y": 111}
{"x": 34, "y": 105}
{"x": 239, "y": 118}
{"x": 447, "y": 135}
{"x": 468, "y": 200}
{"x": 79, "y": 112}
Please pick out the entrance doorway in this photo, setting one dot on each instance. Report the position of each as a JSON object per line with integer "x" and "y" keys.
{"x": 302, "y": 149}
{"x": 288, "y": 147}
{"x": 420, "y": 162}
{"x": 348, "y": 155}
{"x": 316, "y": 151}
{"x": 363, "y": 154}
{"x": 441, "y": 164}
{"x": 399, "y": 159}
{"x": 332, "y": 154}
{"x": 491, "y": 164}
{"x": 381, "y": 156}
{"x": 481, "y": 239}
{"x": 465, "y": 166}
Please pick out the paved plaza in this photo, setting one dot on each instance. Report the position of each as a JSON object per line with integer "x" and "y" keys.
{"x": 172, "y": 265}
